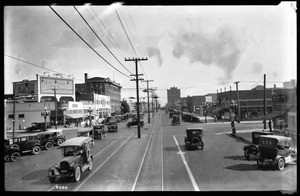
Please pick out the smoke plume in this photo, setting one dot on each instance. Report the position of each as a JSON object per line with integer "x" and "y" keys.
{"x": 152, "y": 51}
{"x": 222, "y": 48}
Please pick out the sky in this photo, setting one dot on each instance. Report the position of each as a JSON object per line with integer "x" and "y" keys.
{"x": 198, "y": 49}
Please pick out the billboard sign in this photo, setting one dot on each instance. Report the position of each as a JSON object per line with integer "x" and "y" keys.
{"x": 26, "y": 88}
{"x": 63, "y": 85}
{"x": 208, "y": 99}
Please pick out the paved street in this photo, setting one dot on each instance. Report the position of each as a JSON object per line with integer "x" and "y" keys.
{"x": 158, "y": 161}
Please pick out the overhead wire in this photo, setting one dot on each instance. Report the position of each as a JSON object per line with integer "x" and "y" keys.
{"x": 88, "y": 44}
{"x": 100, "y": 39}
{"x": 107, "y": 32}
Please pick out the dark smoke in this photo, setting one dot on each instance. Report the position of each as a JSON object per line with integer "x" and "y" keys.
{"x": 223, "y": 48}
{"x": 152, "y": 51}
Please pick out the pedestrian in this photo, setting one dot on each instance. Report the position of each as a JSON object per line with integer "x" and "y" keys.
{"x": 233, "y": 126}
{"x": 215, "y": 117}
{"x": 223, "y": 118}
{"x": 270, "y": 125}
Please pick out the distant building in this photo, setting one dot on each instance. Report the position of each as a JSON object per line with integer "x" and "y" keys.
{"x": 290, "y": 84}
{"x": 101, "y": 86}
{"x": 173, "y": 95}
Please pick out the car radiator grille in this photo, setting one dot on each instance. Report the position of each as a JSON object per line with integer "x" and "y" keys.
{"x": 64, "y": 167}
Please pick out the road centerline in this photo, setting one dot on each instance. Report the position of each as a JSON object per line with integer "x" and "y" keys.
{"x": 187, "y": 166}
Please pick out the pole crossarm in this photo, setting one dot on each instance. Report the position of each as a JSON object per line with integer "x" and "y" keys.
{"x": 137, "y": 88}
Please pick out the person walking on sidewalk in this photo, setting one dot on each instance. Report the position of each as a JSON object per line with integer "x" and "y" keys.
{"x": 223, "y": 118}
{"x": 233, "y": 127}
{"x": 270, "y": 125}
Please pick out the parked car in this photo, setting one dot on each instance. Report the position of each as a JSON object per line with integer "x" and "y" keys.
{"x": 176, "y": 120}
{"x": 27, "y": 143}
{"x": 193, "y": 139}
{"x": 253, "y": 148}
{"x": 77, "y": 157}
{"x": 276, "y": 150}
{"x": 112, "y": 126}
{"x": 51, "y": 138}
{"x": 170, "y": 114}
{"x": 38, "y": 126}
{"x": 10, "y": 153}
{"x": 134, "y": 122}
{"x": 86, "y": 132}
{"x": 99, "y": 131}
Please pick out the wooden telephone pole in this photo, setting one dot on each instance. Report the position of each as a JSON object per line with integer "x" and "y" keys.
{"x": 148, "y": 98}
{"x": 136, "y": 60}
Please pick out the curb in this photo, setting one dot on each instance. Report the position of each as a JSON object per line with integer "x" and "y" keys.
{"x": 239, "y": 137}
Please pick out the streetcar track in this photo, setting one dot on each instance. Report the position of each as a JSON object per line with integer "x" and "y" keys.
{"x": 122, "y": 136}
{"x": 103, "y": 163}
{"x": 142, "y": 162}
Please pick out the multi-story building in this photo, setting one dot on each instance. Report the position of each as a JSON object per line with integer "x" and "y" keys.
{"x": 173, "y": 95}
{"x": 102, "y": 86}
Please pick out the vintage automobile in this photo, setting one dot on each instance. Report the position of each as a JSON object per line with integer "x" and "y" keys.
{"x": 193, "y": 139}
{"x": 112, "y": 126}
{"x": 176, "y": 120}
{"x": 134, "y": 122}
{"x": 86, "y": 132}
{"x": 51, "y": 138}
{"x": 27, "y": 143}
{"x": 253, "y": 148}
{"x": 274, "y": 149}
{"x": 77, "y": 157}
{"x": 99, "y": 131}
{"x": 10, "y": 153}
{"x": 170, "y": 114}
{"x": 38, "y": 126}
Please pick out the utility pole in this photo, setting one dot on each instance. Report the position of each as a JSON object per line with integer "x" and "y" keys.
{"x": 265, "y": 126}
{"x": 14, "y": 111}
{"x": 136, "y": 60}
{"x": 55, "y": 107}
{"x": 148, "y": 98}
{"x": 238, "y": 101}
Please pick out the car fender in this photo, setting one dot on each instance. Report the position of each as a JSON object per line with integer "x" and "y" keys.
{"x": 278, "y": 157}
{"x": 251, "y": 147}
{"x": 53, "y": 169}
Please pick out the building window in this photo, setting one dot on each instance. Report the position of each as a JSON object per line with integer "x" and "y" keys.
{"x": 21, "y": 115}
{"x": 10, "y": 116}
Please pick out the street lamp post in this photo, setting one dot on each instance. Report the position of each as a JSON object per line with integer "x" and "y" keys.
{"x": 155, "y": 97}
{"x": 45, "y": 113}
{"x": 90, "y": 113}
{"x": 232, "y": 115}
{"x": 205, "y": 111}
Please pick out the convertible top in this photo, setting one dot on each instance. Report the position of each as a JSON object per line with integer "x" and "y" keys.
{"x": 279, "y": 138}
{"x": 75, "y": 141}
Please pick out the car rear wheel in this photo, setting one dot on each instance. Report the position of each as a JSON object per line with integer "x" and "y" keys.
{"x": 48, "y": 145}
{"x": 36, "y": 150}
{"x": 15, "y": 156}
{"x": 77, "y": 174}
{"x": 60, "y": 141}
{"x": 280, "y": 163}
{"x": 247, "y": 153}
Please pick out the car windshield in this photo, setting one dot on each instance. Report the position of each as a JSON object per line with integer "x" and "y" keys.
{"x": 69, "y": 151}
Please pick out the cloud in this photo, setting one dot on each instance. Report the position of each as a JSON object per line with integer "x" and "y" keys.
{"x": 223, "y": 48}
{"x": 257, "y": 68}
{"x": 153, "y": 51}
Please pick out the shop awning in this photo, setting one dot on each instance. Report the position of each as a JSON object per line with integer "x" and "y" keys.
{"x": 76, "y": 115}
{"x": 276, "y": 114}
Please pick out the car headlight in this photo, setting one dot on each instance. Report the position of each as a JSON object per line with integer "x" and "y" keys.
{"x": 56, "y": 165}
{"x": 71, "y": 164}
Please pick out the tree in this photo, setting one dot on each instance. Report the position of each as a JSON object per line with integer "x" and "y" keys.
{"x": 124, "y": 107}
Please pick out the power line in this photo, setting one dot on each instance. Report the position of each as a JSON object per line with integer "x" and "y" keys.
{"x": 40, "y": 66}
{"x": 100, "y": 39}
{"x": 87, "y": 43}
{"x": 129, "y": 39}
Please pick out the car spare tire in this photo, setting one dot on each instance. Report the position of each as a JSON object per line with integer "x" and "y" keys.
{"x": 195, "y": 141}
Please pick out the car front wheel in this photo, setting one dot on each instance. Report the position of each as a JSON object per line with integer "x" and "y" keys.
{"x": 60, "y": 141}
{"x": 48, "y": 145}
{"x": 90, "y": 165}
{"x": 36, "y": 150}
{"x": 247, "y": 153}
{"x": 15, "y": 156}
{"x": 280, "y": 163}
{"x": 77, "y": 174}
